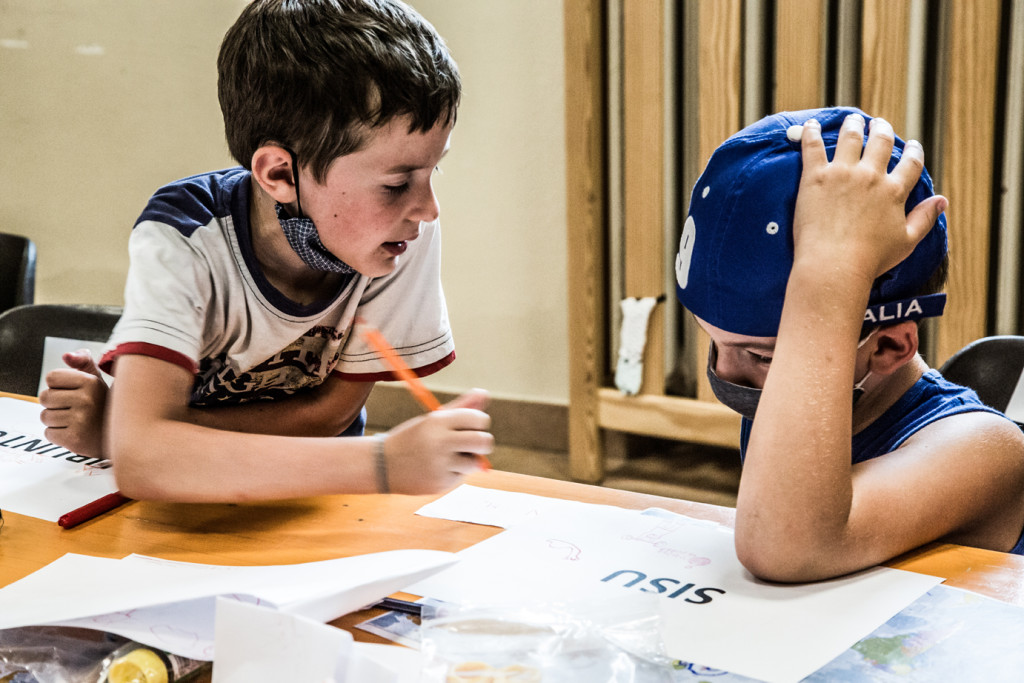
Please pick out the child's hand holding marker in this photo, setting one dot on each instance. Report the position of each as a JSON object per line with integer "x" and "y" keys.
{"x": 434, "y": 450}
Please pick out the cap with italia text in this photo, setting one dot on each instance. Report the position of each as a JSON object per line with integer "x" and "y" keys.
{"x": 736, "y": 248}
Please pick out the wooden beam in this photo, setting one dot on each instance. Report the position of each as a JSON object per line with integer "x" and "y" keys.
{"x": 670, "y": 417}
{"x": 885, "y": 52}
{"x": 720, "y": 91}
{"x": 799, "y": 50}
{"x": 643, "y": 81}
{"x": 968, "y": 135}
{"x": 586, "y": 225}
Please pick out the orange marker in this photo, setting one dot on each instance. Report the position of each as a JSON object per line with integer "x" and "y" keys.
{"x": 420, "y": 392}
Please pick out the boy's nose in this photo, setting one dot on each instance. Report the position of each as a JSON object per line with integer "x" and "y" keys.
{"x": 728, "y": 368}
{"x": 427, "y": 208}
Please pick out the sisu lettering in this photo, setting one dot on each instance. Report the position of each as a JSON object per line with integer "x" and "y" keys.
{"x": 702, "y": 593}
{"x": 640, "y": 576}
{"x": 682, "y": 590}
{"x": 658, "y": 585}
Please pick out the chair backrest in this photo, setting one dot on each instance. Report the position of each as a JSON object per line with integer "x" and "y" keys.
{"x": 23, "y": 333}
{"x": 992, "y": 366}
{"x": 17, "y": 271}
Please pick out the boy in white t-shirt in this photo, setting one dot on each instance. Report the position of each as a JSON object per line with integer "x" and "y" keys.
{"x": 237, "y": 347}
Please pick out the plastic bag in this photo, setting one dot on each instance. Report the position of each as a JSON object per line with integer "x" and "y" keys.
{"x": 613, "y": 642}
{"x": 53, "y": 654}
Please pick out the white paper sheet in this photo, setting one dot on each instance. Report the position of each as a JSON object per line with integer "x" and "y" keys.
{"x": 503, "y": 509}
{"x": 38, "y": 478}
{"x": 259, "y": 645}
{"x": 171, "y": 605}
{"x": 55, "y": 347}
{"x": 715, "y": 613}
{"x": 403, "y": 663}
{"x": 1015, "y": 407}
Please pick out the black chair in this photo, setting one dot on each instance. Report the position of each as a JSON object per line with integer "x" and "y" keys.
{"x": 17, "y": 271}
{"x": 23, "y": 333}
{"x": 991, "y": 366}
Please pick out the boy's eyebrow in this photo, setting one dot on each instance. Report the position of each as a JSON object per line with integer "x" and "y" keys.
{"x": 408, "y": 168}
{"x": 750, "y": 346}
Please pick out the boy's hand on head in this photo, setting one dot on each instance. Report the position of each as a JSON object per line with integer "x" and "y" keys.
{"x": 850, "y": 217}
{"x": 73, "y": 405}
{"x": 434, "y": 452}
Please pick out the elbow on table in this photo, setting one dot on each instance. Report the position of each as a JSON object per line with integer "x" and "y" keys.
{"x": 133, "y": 484}
{"x": 164, "y": 476}
{"x": 782, "y": 562}
{"x": 136, "y": 475}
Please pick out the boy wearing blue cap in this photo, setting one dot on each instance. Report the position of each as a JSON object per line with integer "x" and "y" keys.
{"x": 854, "y": 451}
{"x": 237, "y": 346}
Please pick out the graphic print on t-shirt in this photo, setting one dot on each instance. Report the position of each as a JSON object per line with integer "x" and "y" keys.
{"x": 303, "y": 363}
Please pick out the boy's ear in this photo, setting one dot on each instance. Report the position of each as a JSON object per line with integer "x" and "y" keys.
{"x": 272, "y": 169}
{"x": 895, "y": 346}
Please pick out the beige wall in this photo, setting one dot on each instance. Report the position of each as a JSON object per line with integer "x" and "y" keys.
{"x": 102, "y": 101}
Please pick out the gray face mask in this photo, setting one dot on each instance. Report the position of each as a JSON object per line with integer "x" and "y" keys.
{"x": 744, "y": 400}
{"x": 303, "y": 237}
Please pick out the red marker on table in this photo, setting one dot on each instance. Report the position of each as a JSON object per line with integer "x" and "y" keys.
{"x": 92, "y": 510}
{"x": 420, "y": 392}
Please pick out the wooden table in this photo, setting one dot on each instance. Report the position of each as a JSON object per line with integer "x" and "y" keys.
{"x": 311, "y": 529}
{"x": 327, "y": 527}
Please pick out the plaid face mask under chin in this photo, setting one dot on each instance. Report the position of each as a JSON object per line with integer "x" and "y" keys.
{"x": 303, "y": 237}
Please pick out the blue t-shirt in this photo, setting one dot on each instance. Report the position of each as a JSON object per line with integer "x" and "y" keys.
{"x": 931, "y": 398}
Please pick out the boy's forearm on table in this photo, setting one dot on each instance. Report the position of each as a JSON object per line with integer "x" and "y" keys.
{"x": 172, "y": 460}
{"x": 796, "y": 492}
{"x": 158, "y": 453}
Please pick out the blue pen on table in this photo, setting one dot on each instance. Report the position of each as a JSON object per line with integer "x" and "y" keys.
{"x": 404, "y": 606}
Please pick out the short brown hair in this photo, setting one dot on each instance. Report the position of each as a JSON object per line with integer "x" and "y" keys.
{"x": 316, "y": 75}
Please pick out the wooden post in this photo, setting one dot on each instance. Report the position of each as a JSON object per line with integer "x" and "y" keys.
{"x": 799, "y": 31}
{"x": 885, "y": 59}
{"x": 643, "y": 80}
{"x": 586, "y": 226}
{"x": 720, "y": 88}
{"x": 968, "y": 138}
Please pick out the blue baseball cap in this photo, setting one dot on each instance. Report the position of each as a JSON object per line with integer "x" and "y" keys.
{"x": 736, "y": 248}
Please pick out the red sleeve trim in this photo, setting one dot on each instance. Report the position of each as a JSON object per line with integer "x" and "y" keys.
{"x": 392, "y": 377}
{"x": 144, "y": 349}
